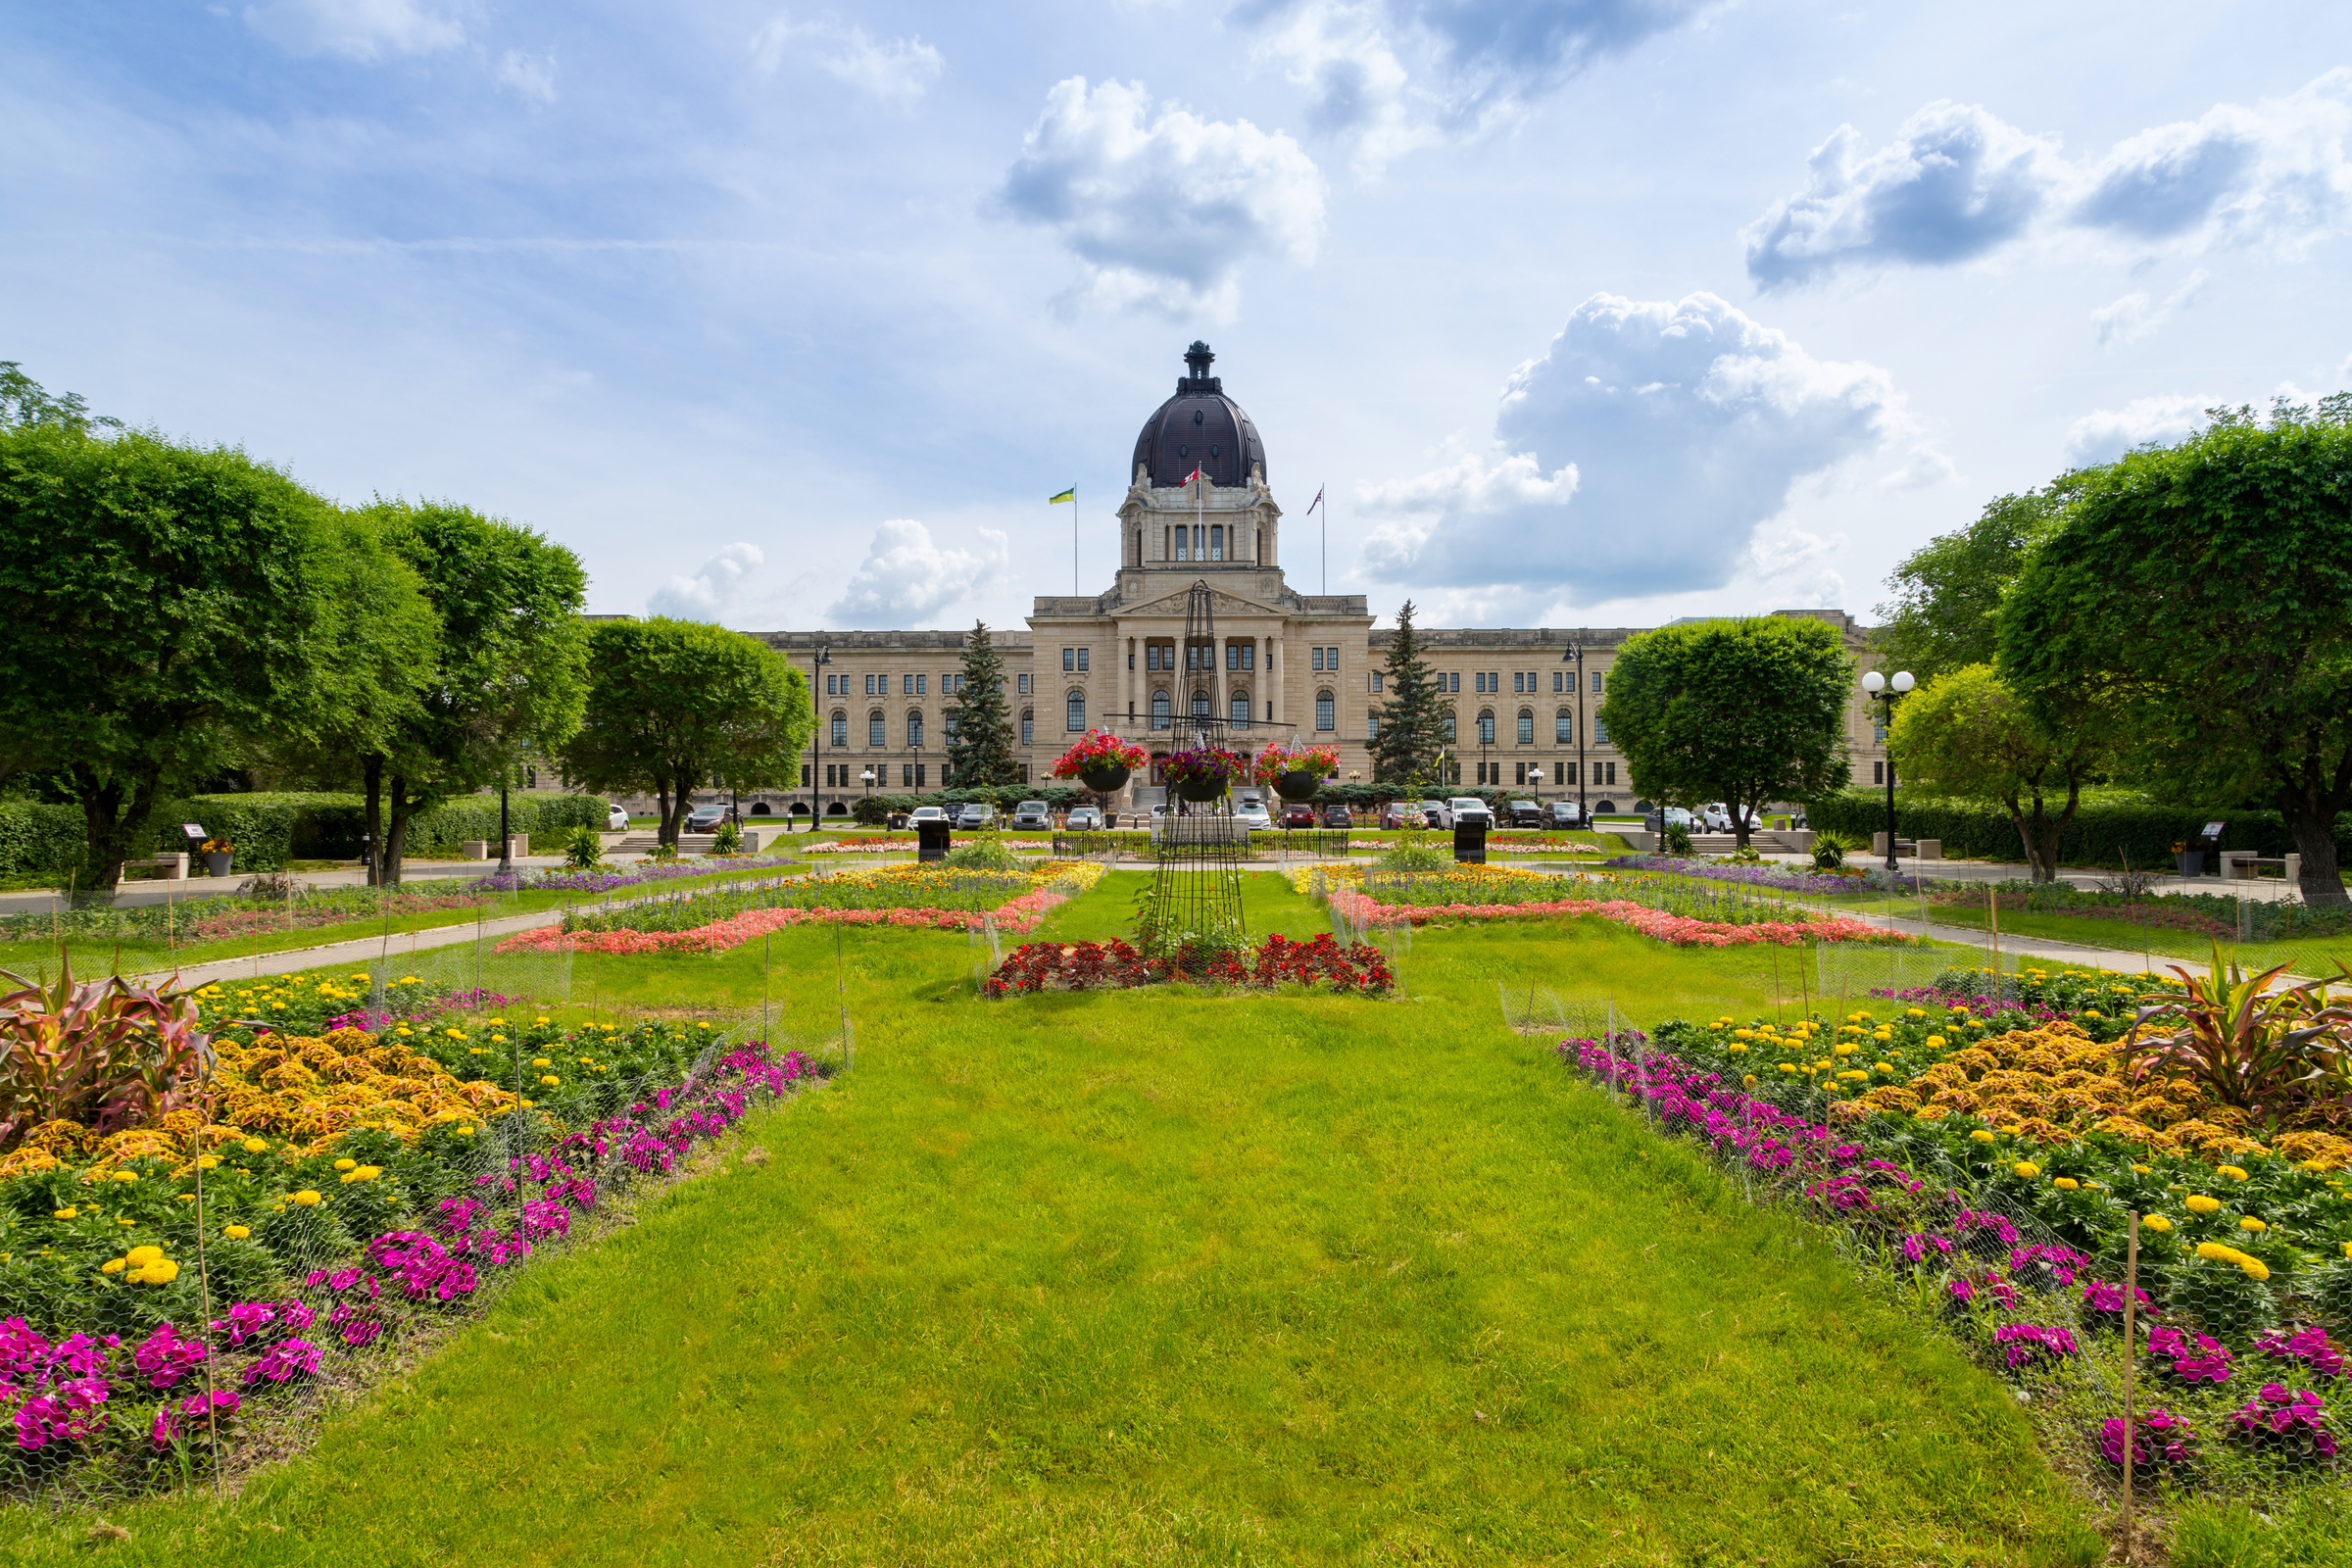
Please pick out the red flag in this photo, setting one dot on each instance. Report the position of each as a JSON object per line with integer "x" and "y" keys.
{"x": 1189, "y": 477}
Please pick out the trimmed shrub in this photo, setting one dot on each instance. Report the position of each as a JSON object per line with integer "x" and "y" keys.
{"x": 272, "y": 828}
{"x": 2101, "y": 834}
{"x": 36, "y": 838}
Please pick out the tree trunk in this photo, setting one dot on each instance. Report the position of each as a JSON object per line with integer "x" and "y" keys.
{"x": 2026, "y": 833}
{"x": 111, "y": 825}
{"x": 663, "y": 833}
{"x": 2053, "y": 832}
{"x": 396, "y": 832}
{"x": 2313, "y": 824}
{"x": 372, "y": 784}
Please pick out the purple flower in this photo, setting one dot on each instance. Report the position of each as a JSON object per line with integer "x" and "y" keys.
{"x": 2206, "y": 1360}
{"x": 2307, "y": 1346}
{"x": 2159, "y": 1435}
{"x": 2296, "y": 1422}
{"x": 2101, "y": 1297}
{"x": 165, "y": 1356}
{"x": 286, "y": 1360}
{"x": 2026, "y": 1344}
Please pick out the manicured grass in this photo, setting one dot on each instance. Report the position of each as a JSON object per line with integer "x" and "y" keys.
{"x": 1168, "y": 1277}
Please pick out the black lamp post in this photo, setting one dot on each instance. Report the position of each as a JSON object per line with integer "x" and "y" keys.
{"x": 506, "y": 837}
{"x": 824, "y": 656}
{"x": 1883, "y": 690}
{"x": 1575, "y": 656}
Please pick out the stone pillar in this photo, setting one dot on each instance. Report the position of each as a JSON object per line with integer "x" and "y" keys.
{"x": 1274, "y": 674}
{"x": 1126, "y": 656}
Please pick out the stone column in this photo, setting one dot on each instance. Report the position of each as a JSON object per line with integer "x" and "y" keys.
{"x": 1274, "y": 676}
{"x": 1126, "y": 656}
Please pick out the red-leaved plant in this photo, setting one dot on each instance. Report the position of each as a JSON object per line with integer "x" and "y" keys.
{"x": 106, "y": 1054}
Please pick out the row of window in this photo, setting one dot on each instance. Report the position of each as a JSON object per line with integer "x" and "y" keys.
{"x": 1563, "y": 774}
{"x": 1327, "y": 720}
{"x": 1196, "y": 656}
{"x": 876, "y": 775}
{"x": 1563, "y": 728}
{"x": 949, "y": 683}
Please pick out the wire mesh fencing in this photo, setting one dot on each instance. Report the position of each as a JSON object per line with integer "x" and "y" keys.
{"x": 2163, "y": 1358}
{"x": 179, "y": 1300}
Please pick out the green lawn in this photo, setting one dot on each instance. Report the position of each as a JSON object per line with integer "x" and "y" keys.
{"x": 1169, "y": 1277}
{"x": 106, "y": 955}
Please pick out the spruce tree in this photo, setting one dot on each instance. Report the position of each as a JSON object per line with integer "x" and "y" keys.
{"x": 1411, "y": 728}
{"x": 980, "y": 747}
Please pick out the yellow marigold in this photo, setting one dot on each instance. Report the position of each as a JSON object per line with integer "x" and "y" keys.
{"x": 1983, "y": 1135}
{"x": 2216, "y": 1252}
{"x": 2234, "y": 1173}
{"x": 305, "y": 1197}
{"x": 143, "y": 1255}
{"x": 254, "y": 1145}
{"x": 2156, "y": 1222}
{"x": 68, "y": 1214}
{"x": 2200, "y": 1203}
{"x": 1934, "y": 1042}
{"x": 1737, "y": 1049}
{"x": 112, "y": 1265}
{"x": 2143, "y": 1170}
{"x": 2026, "y": 1169}
{"x": 1846, "y": 1047}
{"x": 2248, "y": 1222}
{"x": 125, "y": 1176}
{"x": 2065, "y": 1183}
{"x": 236, "y": 1233}
{"x": 363, "y": 1173}
{"x": 162, "y": 1271}
{"x": 347, "y": 1164}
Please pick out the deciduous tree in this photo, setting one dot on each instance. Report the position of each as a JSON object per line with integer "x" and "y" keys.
{"x": 2197, "y": 603}
{"x": 676, "y": 704}
{"x": 1966, "y": 733}
{"x": 1744, "y": 711}
{"x": 1948, "y": 592}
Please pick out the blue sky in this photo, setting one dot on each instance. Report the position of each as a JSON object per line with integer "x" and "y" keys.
{"x": 1590, "y": 312}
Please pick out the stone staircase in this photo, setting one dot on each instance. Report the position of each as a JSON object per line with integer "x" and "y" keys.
{"x": 647, "y": 842}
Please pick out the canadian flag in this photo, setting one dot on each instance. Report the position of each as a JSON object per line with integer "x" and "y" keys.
{"x": 1189, "y": 477}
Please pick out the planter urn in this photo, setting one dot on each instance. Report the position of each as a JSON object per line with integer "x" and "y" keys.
{"x": 1201, "y": 790}
{"x": 1297, "y": 785}
{"x": 1104, "y": 781}
{"x": 217, "y": 864}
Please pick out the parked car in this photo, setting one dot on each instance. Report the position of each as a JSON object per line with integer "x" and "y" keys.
{"x": 1399, "y": 813}
{"x": 617, "y": 818}
{"x": 1032, "y": 813}
{"x": 928, "y": 813}
{"x": 1467, "y": 808}
{"x": 1252, "y": 813}
{"x": 704, "y": 819}
{"x": 1298, "y": 813}
{"x": 1337, "y": 816}
{"x": 978, "y": 814}
{"x": 1523, "y": 813}
{"x": 1085, "y": 818}
{"x": 1564, "y": 814}
{"x": 1675, "y": 816}
{"x": 1715, "y": 818}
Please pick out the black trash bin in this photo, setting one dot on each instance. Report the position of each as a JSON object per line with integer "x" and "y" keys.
{"x": 2208, "y": 843}
{"x": 1470, "y": 841}
{"x": 931, "y": 839}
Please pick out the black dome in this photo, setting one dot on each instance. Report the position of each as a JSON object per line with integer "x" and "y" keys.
{"x": 1199, "y": 427}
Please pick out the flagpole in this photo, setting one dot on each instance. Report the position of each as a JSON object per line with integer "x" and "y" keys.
{"x": 1075, "y": 588}
{"x": 1323, "y": 494}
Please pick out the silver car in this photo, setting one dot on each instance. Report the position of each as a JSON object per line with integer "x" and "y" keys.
{"x": 977, "y": 813}
{"x": 1032, "y": 813}
{"x": 1084, "y": 818}
{"x": 1253, "y": 813}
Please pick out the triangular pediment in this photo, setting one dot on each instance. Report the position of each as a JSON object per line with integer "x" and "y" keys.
{"x": 1221, "y": 604}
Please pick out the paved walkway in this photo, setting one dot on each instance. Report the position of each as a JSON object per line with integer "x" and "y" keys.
{"x": 364, "y": 950}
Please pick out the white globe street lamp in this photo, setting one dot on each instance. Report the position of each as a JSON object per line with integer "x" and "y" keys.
{"x": 1883, "y": 690}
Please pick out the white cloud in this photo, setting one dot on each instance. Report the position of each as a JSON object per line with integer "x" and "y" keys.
{"x": 906, "y": 581}
{"x": 355, "y": 29}
{"x": 1479, "y": 63}
{"x": 532, "y": 77}
{"x": 1957, "y": 183}
{"x": 894, "y": 71}
{"x": 2106, "y": 434}
{"x": 712, "y": 588}
{"x": 2136, "y": 315}
{"x": 1160, "y": 207}
{"x": 1669, "y": 430}
{"x": 1795, "y": 567}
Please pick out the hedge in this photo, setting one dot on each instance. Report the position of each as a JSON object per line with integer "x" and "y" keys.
{"x": 2099, "y": 835}
{"x": 36, "y": 838}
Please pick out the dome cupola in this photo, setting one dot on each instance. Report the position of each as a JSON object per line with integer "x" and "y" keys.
{"x": 1199, "y": 427}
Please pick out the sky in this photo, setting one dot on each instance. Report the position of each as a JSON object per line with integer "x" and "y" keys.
{"x": 1576, "y": 312}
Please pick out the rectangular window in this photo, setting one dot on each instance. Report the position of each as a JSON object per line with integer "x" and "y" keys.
{"x": 1563, "y": 728}
{"x": 1604, "y": 773}
{"x": 1478, "y": 680}
{"x": 1518, "y": 772}
{"x": 841, "y": 730}
{"x": 1070, "y": 659}
{"x": 950, "y": 721}
{"x": 1315, "y": 659}
{"x": 1075, "y": 719}
{"x": 1447, "y": 723}
{"x": 1024, "y": 686}
{"x": 1878, "y": 772}
{"x": 1184, "y": 539}
{"x": 1516, "y": 688}
{"x": 1372, "y": 727}
{"x": 1376, "y": 679}
{"x": 922, "y": 684}
{"x": 1326, "y": 712}
{"x": 1596, "y": 683}
{"x": 905, "y": 775}
{"x": 1457, "y": 681}
{"x": 1526, "y": 729}
{"x": 1556, "y": 680}
{"x": 1216, "y": 541}
{"x": 919, "y": 769}
{"x": 1249, "y": 656}
{"x": 803, "y": 775}
{"x": 1028, "y": 730}
{"x": 1331, "y": 659}
{"x": 873, "y": 730}
{"x": 1082, "y": 653}
{"x": 1600, "y": 733}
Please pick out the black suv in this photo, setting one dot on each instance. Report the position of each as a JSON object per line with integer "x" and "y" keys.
{"x": 1523, "y": 813}
{"x": 1564, "y": 814}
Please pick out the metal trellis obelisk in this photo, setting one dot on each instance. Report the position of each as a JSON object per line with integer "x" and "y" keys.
{"x": 1196, "y": 909}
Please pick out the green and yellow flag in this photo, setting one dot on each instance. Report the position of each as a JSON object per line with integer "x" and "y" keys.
{"x": 1070, "y": 495}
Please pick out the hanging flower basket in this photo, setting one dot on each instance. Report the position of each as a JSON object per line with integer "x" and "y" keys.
{"x": 1296, "y": 772}
{"x": 1206, "y": 773}
{"x": 1100, "y": 762}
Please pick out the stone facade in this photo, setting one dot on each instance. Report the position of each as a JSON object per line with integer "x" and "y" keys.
{"x": 1291, "y": 665}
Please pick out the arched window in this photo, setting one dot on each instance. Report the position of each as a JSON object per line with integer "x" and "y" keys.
{"x": 1527, "y": 726}
{"x": 873, "y": 729}
{"x": 841, "y": 730}
{"x": 1240, "y": 709}
{"x": 1564, "y": 727}
{"x": 914, "y": 732}
{"x": 1327, "y": 710}
{"x": 1486, "y": 727}
{"x": 1447, "y": 723}
{"x": 1161, "y": 711}
{"x": 1028, "y": 726}
{"x": 1076, "y": 719}
{"x": 1200, "y": 704}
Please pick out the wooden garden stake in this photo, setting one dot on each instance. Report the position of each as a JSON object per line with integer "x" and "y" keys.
{"x": 2131, "y": 1302}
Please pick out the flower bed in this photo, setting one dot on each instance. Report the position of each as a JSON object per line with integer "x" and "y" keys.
{"x": 1359, "y": 968}
{"x": 884, "y": 895}
{"x": 1780, "y": 878}
{"x": 882, "y": 846}
{"x": 351, "y": 1189}
{"x": 1501, "y": 892}
{"x": 1963, "y": 1229}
